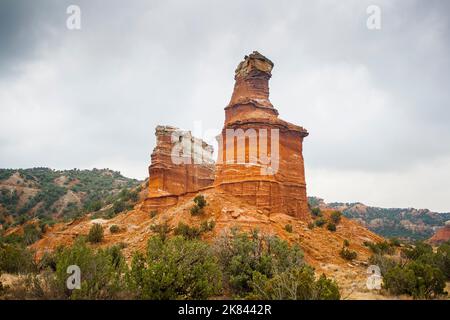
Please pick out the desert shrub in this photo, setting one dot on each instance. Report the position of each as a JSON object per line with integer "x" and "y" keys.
{"x": 395, "y": 242}
{"x": 47, "y": 262}
{"x": 200, "y": 201}
{"x": 241, "y": 255}
{"x": 117, "y": 258}
{"x": 153, "y": 213}
{"x": 186, "y": 231}
{"x": 114, "y": 228}
{"x": 316, "y": 212}
{"x": 320, "y": 222}
{"x": 442, "y": 259}
{"x": 331, "y": 226}
{"x": 134, "y": 196}
{"x": 195, "y": 210}
{"x": 175, "y": 269}
{"x": 119, "y": 206}
{"x": 335, "y": 216}
{"x": 297, "y": 283}
{"x": 346, "y": 253}
{"x": 31, "y": 234}
{"x": 93, "y": 206}
{"x": 416, "y": 279}
{"x": 420, "y": 249}
{"x": 101, "y": 272}
{"x": 15, "y": 258}
{"x": 380, "y": 248}
{"x": 288, "y": 228}
{"x": 384, "y": 263}
{"x": 161, "y": 230}
{"x": 311, "y": 225}
{"x": 207, "y": 226}
{"x": 95, "y": 233}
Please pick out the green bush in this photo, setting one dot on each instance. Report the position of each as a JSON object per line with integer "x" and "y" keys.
{"x": 288, "y": 228}
{"x": 416, "y": 279}
{"x": 241, "y": 255}
{"x": 331, "y": 226}
{"x": 15, "y": 258}
{"x": 175, "y": 269}
{"x": 346, "y": 253}
{"x": 114, "y": 228}
{"x": 395, "y": 242}
{"x": 320, "y": 222}
{"x": 383, "y": 262}
{"x": 47, "y": 262}
{"x": 119, "y": 206}
{"x": 153, "y": 213}
{"x": 200, "y": 201}
{"x": 207, "y": 226}
{"x": 161, "y": 230}
{"x": 101, "y": 272}
{"x": 95, "y": 233}
{"x": 380, "y": 248}
{"x": 335, "y": 216}
{"x": 420, "y": 249}
{"x": 316, "y": 212}
{"x": 442, "y": 259}
{"x": 31, "y": 234}
{"x": 297, "y": 283}
{"x": 187, "y": 232}
{"x": 311, "y": 225}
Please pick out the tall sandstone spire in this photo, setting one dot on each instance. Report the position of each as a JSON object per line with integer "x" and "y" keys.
{"x": 260, "y": 156}
{"x": 259, "y": 160}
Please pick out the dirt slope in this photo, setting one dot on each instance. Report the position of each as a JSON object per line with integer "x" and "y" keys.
{"x": 321, "y": 247}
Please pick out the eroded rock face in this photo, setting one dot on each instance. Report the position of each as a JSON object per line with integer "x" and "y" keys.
{"x": 442, "y": 235}
{"x": 180, "y": 164}
{"x": 260, "y": 156}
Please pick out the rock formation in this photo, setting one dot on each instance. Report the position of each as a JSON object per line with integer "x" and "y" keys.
{"x": 180, "y": 164}
{"x": 442, "y": 235}
{"x": 260, "y": 156}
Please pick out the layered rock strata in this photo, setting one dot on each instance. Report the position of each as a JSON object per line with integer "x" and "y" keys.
{"x": 180, "y": 164}
{"x": 260, "y": 156}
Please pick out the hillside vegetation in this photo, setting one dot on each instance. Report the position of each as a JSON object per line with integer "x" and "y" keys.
{"x": 48, "y": 195}
{"x": 406, "y": 223}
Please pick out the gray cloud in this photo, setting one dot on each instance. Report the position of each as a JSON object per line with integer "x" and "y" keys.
{"x": 375, "y": 102}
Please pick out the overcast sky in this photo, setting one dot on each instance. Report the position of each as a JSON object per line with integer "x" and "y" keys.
{"x": 376, "y": 102}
